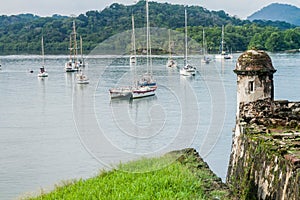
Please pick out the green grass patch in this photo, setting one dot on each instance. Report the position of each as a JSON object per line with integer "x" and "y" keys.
{"x": 152, "y": 178}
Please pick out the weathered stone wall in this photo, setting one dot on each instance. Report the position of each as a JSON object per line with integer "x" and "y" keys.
{"x": 271, "y": 114}
{"x": 265, "y": 158}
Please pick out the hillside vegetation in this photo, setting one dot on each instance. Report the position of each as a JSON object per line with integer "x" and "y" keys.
{"x": 21, "y": 34}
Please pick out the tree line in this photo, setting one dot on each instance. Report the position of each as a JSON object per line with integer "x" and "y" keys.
{"x": 241, "y": 38}
{"x": 21, "y": 34}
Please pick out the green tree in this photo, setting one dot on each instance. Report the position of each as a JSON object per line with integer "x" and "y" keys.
{"x": 275, "y": 42}
{"x": 257, "y": 42}
{"x": 292, "y": 38}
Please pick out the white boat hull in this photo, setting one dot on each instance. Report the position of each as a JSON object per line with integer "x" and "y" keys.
{"x": 44, "y": 74}
{"x": 82, "y": 79}
{"x": 187, "y": 73}
{"x": 224, "y": 56}
{"x": 188, "y": 70}
{"x": 72, "y": 66}
{"x": 141, "y": 95}
{"x": 141, "y": 92}
{"x": 120, "y": 93}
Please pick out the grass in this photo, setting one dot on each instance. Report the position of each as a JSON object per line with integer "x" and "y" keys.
{"x": 154, "y": 178}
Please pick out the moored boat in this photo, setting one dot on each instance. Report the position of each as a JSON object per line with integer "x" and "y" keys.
{"x": 81, "y": 78}
{"x": 223, "y": 54}
{"x": 187, "y": 70}
{"x": 43, "y": 72}
{"x": 143, "y": 91}
{"x": 205, "y": 58}
{"x": 73, "y": 64}
{"x": 171, "y": 63}
{"x": 120, "y": 93}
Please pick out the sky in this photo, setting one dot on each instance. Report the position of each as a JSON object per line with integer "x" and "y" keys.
{"x": 240, "y": 8}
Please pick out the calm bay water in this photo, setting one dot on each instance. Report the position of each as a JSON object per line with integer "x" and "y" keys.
{"x": 53, "y": 129}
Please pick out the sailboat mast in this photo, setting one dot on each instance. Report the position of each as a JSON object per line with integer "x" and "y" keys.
{"x": 43, "y": 52}
{"x": 147, "y": 30}
{"x": 170, "y": 53}
{"x": 75, "y": 42}
{"x": 133, "y": 37}
{"x": 70, "y": 48}
{"x": 81, "y": 49}
{"x": 134, "y": 50}
{"x": 186, "y": 41}
{"x": 222, "y": 41}
{"x": 203, "y": 42}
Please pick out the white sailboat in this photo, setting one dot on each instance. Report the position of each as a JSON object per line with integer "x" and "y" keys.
{"x": 147, "y": 79}
{"x": 81, "y": 61}
{"x": 142, "y": 91}
{"x": 81, "y": 78}
{"x": 146, "y": 86}
{"x": 223, "y": 54}
{"x": 187, "y": 70}
{"x": 126, "y": 92}
{"x": 171, "y": 62}
{"x": 43, "y": 72}
{"x": 73, "y": 64}
{"x": 205, "y": 58}
{"x": 133, "y": 54}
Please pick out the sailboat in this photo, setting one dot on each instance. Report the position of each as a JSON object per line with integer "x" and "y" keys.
{"x": 205, "y": 58}
{"x": 133, "y": 55}
{"x": 187, "y": 70}
{"x": 171, "y": 63}
{"x": 223, "y": 54}
{"x": 43, "y": 72}
{"x": 146, "y": 86}
{"x": 140, "y": 91}
{"x": 73, "y": 65}
{"x": 147, "y": 78}
{"x": 81, "y": 78}
{"x": 126, "y": 92}
{"x": 81, "y": 61}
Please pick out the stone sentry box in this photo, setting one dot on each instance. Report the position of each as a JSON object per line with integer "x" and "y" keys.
{"x": 254, "y": 71}
{"x": 265, "y": 156}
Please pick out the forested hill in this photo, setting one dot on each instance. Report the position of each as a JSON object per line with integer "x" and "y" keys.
{"x": 278, "y": 12}
{"x": 22, "y": 33}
